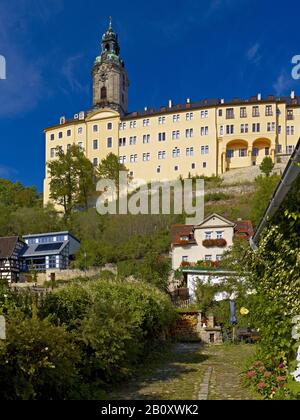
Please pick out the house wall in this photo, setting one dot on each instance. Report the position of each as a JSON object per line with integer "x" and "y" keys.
{"x": 199, "y": 251}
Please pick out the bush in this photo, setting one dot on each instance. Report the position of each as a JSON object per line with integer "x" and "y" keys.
{"x": 114, "y": 322}
{"x": 37, "y": 361}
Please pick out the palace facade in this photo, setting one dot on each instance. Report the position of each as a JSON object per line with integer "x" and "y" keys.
{"x": 207, "y": 138}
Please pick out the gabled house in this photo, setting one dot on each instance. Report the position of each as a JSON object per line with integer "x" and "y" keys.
{"x": 11, "y": 264}
{"x": 204, "y": 242}
{"x": 49, "y": 250}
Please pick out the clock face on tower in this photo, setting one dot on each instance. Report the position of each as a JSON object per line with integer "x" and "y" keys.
{"x": 103, "y": 76}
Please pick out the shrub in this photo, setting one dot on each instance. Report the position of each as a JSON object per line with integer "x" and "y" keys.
{"x": 37, "y": 361}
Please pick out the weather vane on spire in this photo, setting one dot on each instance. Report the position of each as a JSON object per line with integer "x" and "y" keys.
{"x": 110, "y": 22}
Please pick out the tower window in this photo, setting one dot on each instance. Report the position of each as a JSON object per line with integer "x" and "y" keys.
{"x": 107, "y": 47}
{"x": 103, "y": 93}
{"x": 109, "y": 126}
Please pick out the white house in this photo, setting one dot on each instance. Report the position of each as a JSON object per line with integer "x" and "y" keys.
{"x": 204, "y": 242}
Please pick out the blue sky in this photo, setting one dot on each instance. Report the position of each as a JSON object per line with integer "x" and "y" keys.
{"x": 172, "y": 50}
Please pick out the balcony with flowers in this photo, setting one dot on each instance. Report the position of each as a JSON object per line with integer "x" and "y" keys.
{"x": 213, "y": 243}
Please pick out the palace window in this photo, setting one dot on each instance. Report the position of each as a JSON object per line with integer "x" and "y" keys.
{"x": 95, "y": 144}
{"x": 193, "y": 166}
{"x": 122, "y": 126}
{"x": 109, "y": 142}
{"x": 176, "y": 168}
{"x": 290, "y": 149}
{"x": 204, "y": 165}
{"x": 158, "y": 169}
{"x": 229, "y": 129}
{"x": 132, "y": 124}
{"x": 132, "y": 140}
{"x": 190, "y": 151}
{"x": 269, "y": 111}
{"x": 109, "y": 126}
{"x": 146, "y": 122}
{"x": 290, "y": 130}
{"x": 243, "y": 112}
{"x": 95, "y": 128}
{"x": 255, "y": 111}
{"x": 80, "y": 146}
{"x": 229, "y": 113}
{"x": 122, "y": 142}
{"x": 204, "y": 131}
{"x": 60, "y": 135}
{"x": 52, "y": 137}
{"x": 133, "y": 158}
{"x": 244, "y": 128}
{"x": 146, "y": 138}
{"x": 175, "y": 135}
{"x": 221, "y": 130}
{"x": 270, "y": 126}
{"x": 176, "y": 118}
{"x": 204, "y": 150}
{"x": 256, "y": 127}
{"x": 95, "y": 162}
{"x": 176, "y": 152}
{"x": 161, "y": 120}
{"x": 189, "y": 132}
{"x": 189, "y": 116}
{"x": 267, "y": 151}
{"x": 122, "y": 159}
{"x": 69, "y": 132}
{"x": 80, "y": 130}
{"x": 230, "y": 153}
{"x": 161, "y": 155}
{"x": 52, "y": 152}
{"x": 146, "y": 157}
{"x": 161, "y": 136}
{"x": 204, "y": 114}
{"x": 220, "y": 112}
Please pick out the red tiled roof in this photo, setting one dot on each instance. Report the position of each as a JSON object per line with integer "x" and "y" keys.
{"x": 244, "y": 228}
{"x": 178, "y": 231}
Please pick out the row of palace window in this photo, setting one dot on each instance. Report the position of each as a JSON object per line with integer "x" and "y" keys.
{"x": 146, "y": 157}
{"x": 189, "y": 116}
{"x": 271, "y": 127}
{"x": 162, "y": 154}
{"x": 255, "y": 112}
{"x": 189, "y": 133}
{"x": 243, "y": 152}
{"x": 80, "y": 131}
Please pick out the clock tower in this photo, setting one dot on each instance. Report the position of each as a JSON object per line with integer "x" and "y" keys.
{"x": 110, "y": 79}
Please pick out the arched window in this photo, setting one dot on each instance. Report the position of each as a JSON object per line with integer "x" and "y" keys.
{"x": 103, "y": 93}
{"x": 107, "y": 47}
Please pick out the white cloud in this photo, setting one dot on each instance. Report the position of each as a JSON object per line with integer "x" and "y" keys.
{"x": 253, "y": 54}
{"x": 69, "y": 69}
{"x": 283, "y": 83}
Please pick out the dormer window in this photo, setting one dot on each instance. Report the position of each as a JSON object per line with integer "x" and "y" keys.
{"x": 208, "y": 235}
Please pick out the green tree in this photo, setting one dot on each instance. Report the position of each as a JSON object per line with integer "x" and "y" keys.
{"x": 109, "y": 168}
{"x": 267, "y": 166}
{"x": 71, "y": 179}
{"x": 264, "y": 188}
{"x": 85, "y": 176}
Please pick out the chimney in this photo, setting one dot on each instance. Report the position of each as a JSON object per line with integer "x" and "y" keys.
{"x": 259, "y": 96}
{"x": 222, "y": 101}
{"x": 188, "y": 101}
{"x": 292, "y": 94}
{"x": 146, "y": 108}
{"x": 170, "y": 103}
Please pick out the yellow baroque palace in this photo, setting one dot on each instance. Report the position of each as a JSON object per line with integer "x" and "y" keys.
{"x": 207, "y": 138}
